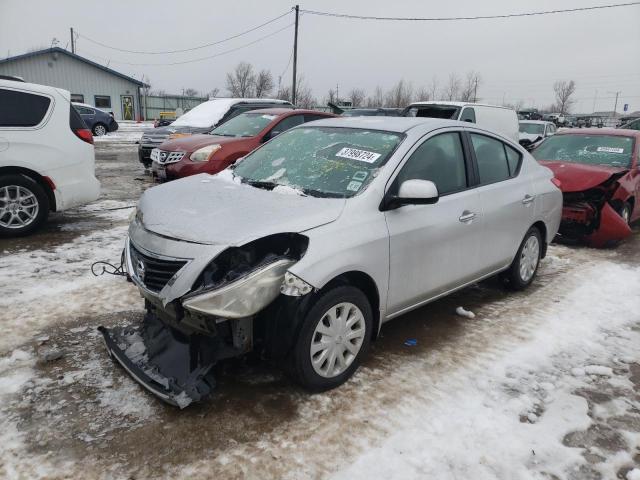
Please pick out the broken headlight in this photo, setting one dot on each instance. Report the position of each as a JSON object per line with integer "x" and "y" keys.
{"x": 241, "y": 281}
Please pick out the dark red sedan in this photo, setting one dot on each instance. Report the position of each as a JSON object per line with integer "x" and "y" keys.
{"x": 599, "y": 177}
{"x": 215, "y": 151}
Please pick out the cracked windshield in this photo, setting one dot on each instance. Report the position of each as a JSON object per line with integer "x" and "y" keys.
{"x": 608, "y": 150}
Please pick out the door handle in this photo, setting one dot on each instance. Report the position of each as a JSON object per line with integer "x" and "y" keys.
{"x": 528, "y": 199}
{"x": 466, "y": 216}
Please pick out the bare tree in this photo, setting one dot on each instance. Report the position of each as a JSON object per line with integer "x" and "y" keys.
{"x": 433, "y": 88}
{"x": 377, "y": 99}
{"x": 331, "y": 97}
{"x": 423, "y": 94}
{"x": 451, "y": 90}
{"x": 517, "y": 105}
{"x": 241, "y": 81}
{"x": 400, "y": 94}
{"x": 190, "y": 92}
{"x": 357, "y": 96}
{"x": 158, "y": 93}
{"x": 563, "y": 90}
{"x": 263, "y": 84}
{"x": 469, "y": 91}
{"x": 284, "y": 93}
{"x": 214, "y": 92}
{"x": 304, "y": 95}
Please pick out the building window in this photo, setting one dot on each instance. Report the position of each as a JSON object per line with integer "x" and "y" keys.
{"x": 103, "y": 101}
{"x": 77, "y": 97}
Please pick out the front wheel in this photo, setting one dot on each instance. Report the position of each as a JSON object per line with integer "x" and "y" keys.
{"x": 525, "y": 266}
{"x": 334, "y": 338}
{"x": 99, "y": 130}
{"x": 24, "y": 205}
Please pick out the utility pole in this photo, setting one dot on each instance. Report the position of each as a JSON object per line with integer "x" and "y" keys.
{"x": 337, "y": 95}
{"x": 73, "y": 42}
{"x": 616, "y": 104}
{"x": 295, "y": 56}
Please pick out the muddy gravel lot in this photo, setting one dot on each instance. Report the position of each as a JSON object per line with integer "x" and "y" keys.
{"x": 540, "y": 384}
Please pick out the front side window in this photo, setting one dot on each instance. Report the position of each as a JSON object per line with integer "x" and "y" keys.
{"x": 491, "y": 158}
{"x": 286, "y": 124}
{"x": 22, "y": 109}
{"x": 320, "y": 161}
{"x": 439, "y": 159}
{"x": 245, "y": 125}
{"x": 102, "y": 101}
{"x": 468, "y": 115}
{"x": 84, "y": 110}
{"x": 608, "y": 150}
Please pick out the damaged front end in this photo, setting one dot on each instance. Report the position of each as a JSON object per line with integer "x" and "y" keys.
{"x": 592, "y": 216}
{"x": 172, "y": 353}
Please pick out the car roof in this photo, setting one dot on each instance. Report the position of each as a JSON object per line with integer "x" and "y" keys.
{"x": 33, "y": 87}
{"x": 389, "y": 124}
{"x": 457, "y": 104}
{"x": 252, "y": 100}
{"x": 84, "y": 105}
{"x": 618, "y": 132}
{"x": 539, "y": 122}
{"x": 283, "y": 111}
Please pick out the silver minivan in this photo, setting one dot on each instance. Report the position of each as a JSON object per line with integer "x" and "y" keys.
{"x": 310, "y": 243}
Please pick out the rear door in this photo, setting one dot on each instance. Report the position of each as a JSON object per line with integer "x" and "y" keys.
{"x": 507, "y": 198}
{"x": 434, "y": 248}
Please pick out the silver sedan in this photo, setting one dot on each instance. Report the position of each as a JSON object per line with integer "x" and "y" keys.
{"x": 309, "y": 244}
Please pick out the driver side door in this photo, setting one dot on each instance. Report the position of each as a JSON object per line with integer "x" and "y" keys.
{"x": 434, "y": 248}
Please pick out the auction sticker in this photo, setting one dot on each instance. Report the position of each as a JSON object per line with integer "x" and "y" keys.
{"x": 610, "y": 150}
{"x": 355, "y": 154}
{"x": 354, "y": 186}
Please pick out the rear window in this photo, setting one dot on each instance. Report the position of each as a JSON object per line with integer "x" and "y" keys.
{"x": 22, "y": 109}
{"x": 433, "y": 111}
{"x": 608, "y": 150}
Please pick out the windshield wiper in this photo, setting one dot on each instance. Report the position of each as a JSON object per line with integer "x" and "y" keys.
{"x": 321, "y": 194}
{"x": 221, "y": 134}
{"x": 261, "y": 184}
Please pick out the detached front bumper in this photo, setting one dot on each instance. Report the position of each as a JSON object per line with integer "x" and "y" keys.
{"x": 175, "y": 368}
{"x": 597, "y": 228}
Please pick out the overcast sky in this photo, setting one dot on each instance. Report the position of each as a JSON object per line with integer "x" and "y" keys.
{"x": 518, "y": 59}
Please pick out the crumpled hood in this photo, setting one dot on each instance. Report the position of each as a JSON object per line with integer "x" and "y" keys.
{"x": 211, "y": 209}
{"x": 577, "y": 177}
{"x": 192, "y": 143}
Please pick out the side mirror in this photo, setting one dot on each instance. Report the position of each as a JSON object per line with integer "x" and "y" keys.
{"x": 412, "y": 192}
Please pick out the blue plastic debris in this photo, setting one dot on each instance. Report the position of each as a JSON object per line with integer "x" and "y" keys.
{"x": 412, "y": 342}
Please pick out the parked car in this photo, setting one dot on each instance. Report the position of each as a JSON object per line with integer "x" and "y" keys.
{"x": 225, "y": 144}
{"x": 502, "y": 120}
{"x": 202, "y": 119}
{"x": 373, "y": 112}
{"x": 99, "y": 122}
{"x": 600, "y": 181}
{"x": 315, "y": 239}
{"x": 47, "y": 160}
{"x": 632, "y": 125}
{"x": 532, "y": 132}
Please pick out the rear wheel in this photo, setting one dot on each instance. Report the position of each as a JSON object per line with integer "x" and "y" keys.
{"x": 525, "y": 266}
{"x": 24, "y": 205}
{"x": 333, "y": 340}
{"x": 99, "y": 129}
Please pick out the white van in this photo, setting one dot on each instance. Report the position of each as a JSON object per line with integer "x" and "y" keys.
{"x": 47, "y": 161}
{"x": 501, "y": 120}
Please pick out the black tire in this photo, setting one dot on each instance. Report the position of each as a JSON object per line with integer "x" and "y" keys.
{"x": 301, "y": 366}
{"x": 29, "y": 184}
{"x": 100, "y": 129}
{"x": 515, "y": 280}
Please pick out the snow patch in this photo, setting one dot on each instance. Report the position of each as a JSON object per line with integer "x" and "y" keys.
{"x": 465, "y": 313}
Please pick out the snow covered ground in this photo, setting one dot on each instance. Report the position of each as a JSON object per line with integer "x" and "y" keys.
{"x": 542, "y": 384}
{"x": 127, "y": 133}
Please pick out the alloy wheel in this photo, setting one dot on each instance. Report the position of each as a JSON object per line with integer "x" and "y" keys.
{"x": 337, "y": 339}
{"x": 529, "y": 258}
{"x": 18, "y": 207}
{"x": 100, "y": 130}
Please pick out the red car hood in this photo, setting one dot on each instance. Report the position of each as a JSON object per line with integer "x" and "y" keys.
{"x": 191, "y": 143}
{"x": 577, "y": 177}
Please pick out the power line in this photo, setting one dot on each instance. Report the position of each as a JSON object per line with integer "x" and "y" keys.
{"x": 186, "y": 49}
{"x": 198, "y": 59}
{"x": 480, "y": 17}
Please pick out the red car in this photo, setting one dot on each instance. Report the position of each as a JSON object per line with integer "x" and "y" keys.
{"x": 599, "y": 177}
{"x": 215, "y": 151}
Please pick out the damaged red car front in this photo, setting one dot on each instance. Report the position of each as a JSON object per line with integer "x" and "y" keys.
{"x": 597, "y": 171}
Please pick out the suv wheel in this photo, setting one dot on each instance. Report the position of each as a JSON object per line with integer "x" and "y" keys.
{"x": 24, "y": 205}
{"x": 99, "y": 130}
{"x": 525, "y": 266}
{"x": 334, "y": 338}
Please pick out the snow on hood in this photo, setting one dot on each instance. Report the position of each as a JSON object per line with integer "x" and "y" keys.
{"x": 206, "y": 114}
{"x": 211, "y": 209}
{"x": 577, "y": 177}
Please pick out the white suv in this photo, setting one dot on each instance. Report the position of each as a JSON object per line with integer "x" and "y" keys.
{"x": 47, "y": 160}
